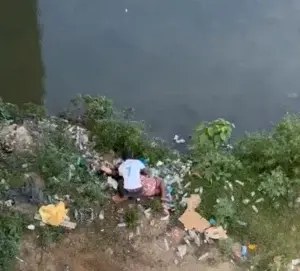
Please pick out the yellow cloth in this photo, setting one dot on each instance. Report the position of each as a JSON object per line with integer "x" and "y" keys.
{"x": 53, "y": 214}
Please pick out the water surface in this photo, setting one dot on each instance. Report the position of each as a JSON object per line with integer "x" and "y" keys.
{"x": 174, "y": 61}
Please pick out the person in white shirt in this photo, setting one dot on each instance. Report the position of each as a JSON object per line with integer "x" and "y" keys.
{"x": 128, "y": 174}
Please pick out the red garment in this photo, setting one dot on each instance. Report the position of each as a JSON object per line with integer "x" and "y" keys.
{"x": 151, "y": 186}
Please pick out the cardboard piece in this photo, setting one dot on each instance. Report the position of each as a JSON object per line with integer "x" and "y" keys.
{"x": 191, "y": 219}
{"x": 65, "y": 223}
{"x": 216, "y": 233}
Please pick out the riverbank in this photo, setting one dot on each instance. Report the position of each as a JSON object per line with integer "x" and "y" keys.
{"x": 250, "y": 187}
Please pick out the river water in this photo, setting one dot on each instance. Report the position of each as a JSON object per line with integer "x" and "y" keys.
{"x": 176, "y": 62}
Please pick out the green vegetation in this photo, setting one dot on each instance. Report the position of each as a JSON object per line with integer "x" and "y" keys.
{"x": 11, "y": 228}
{"x": 131, "y": 217}
{"x": 251, "y": 187}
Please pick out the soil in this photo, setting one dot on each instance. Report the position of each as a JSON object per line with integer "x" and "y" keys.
{"x": 103, "y": 246}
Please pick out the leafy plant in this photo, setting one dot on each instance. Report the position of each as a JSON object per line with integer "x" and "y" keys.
{"x": 215, "y": 132}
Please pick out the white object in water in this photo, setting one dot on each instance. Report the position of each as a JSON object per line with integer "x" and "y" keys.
{"x": 126, "y": 10}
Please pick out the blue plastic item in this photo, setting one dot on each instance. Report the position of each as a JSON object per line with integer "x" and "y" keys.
{"x": 244, "y": 250}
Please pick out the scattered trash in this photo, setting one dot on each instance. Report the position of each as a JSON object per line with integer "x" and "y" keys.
{"x": 239, "y": 182}
{"x": 138, "y": 230}
{"x": 19, "y": 259}
{"x": 216, "y": 233}
{"x": 112, "y": 183}
{"x": 131, "y": 235}
{"x": 31, "y": 227}
{"x": 244, "y": 250}
{"x": 254, "y": 208}
{"x": 181, "y": 251}
{"x": 190, "y": 218}
{"x": 212, "y": 221}
{"x": 101, "y": 215}
{"x": 178, "y": 140}
{"x": 166, "y": 244}
{"x": 251, "y": 246}
{"x": 8, "y": 203}
{"x": 242, "y": 223}
{"x": 122, "y": 225}
{"x": 53, "y": 214}
{"x": 204, "y": 256}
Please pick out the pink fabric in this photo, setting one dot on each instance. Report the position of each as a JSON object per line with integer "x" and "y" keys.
{"x": 151, "y": 186}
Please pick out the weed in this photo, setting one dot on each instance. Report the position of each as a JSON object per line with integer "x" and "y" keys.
{"x": 155, "y": 205}
{"x": 131, "y": 217}
{"x": 49, "y": 234}
{"x": 11, "y": 225}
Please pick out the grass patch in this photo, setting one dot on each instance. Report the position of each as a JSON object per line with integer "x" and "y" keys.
{"x": 11, "y": 228}
{"x": 131, "y": 217}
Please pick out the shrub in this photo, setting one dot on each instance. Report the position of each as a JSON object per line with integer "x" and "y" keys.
{"x": 254, "y": 187}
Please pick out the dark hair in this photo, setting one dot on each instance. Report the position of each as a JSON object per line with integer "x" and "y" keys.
{"x": 126, "y": 155}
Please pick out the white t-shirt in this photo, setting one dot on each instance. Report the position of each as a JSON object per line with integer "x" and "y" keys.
{"x": 131, "y": 170}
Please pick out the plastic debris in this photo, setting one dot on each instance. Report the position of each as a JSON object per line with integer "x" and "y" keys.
{"x": 181, "y": 251}
{"x": 252, "y": 246}
{"x": 112, "y": 183}
{"x": 254, "y": 208}
{"x": 31, "y": 227}
{"x": 216, "y": 233}
{"x": 239, "y": 182}
{"x": 53, "y": 214}
{"x": 166, "y": 244}
{"x": 126, "y": 10}
{"x": 101, "y": 215}
{"x": 204, "y": 256}
{"x": 244, "y": 250}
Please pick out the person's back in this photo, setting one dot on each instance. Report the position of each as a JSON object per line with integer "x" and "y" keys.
{"x": 130, "y": 169}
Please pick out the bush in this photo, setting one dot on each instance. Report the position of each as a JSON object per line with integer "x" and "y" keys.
{"x": 253, "y": 188}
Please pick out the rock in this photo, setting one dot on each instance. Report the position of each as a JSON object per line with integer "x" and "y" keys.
{"x": 176, "y": 261}
{"x": 181, "y": 251}
{"x": 31, "y": 227}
